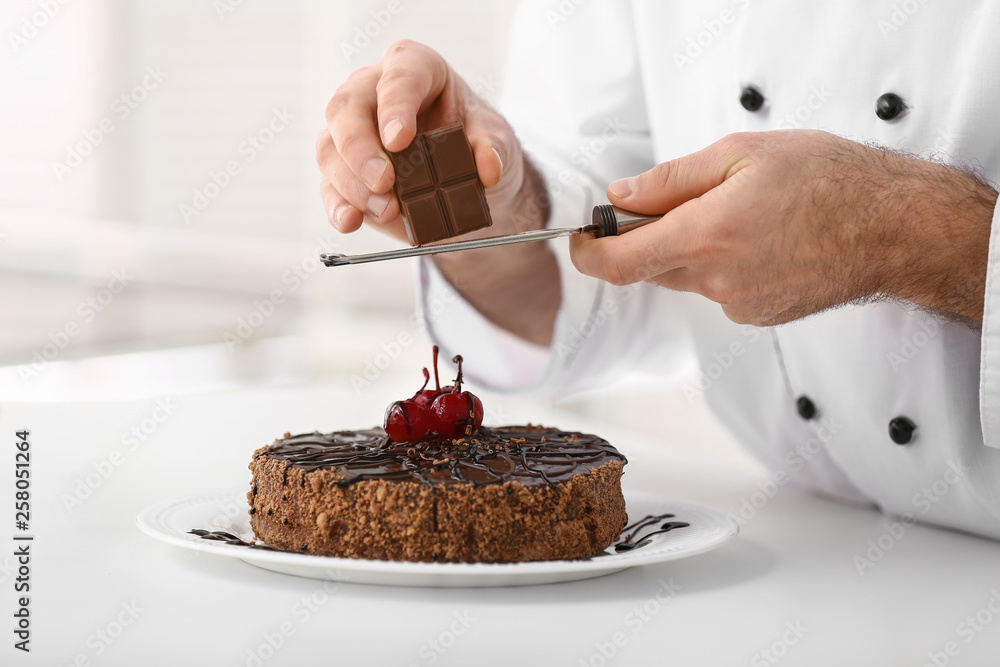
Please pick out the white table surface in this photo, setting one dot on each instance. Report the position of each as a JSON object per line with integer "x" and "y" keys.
{"x": 792, "y": 566}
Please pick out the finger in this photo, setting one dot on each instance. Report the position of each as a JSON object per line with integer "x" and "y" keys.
{"x": 642, "y": 253}
{"x": 488, "y": 152}
{"x": 485, "y": 129}
{"x": 413, "y": 76}
{"x": 670, "y": 184}
{"x": 344, "y": 217}
{"x": 379, "y": 207}
{"x": 350, "y": 123}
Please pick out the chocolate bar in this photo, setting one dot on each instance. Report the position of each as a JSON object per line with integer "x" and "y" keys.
{"x": 439, "y": 190}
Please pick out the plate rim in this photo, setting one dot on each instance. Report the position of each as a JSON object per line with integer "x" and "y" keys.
{"x": 146, "y": 521}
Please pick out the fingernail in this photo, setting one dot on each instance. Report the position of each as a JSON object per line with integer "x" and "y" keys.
{"x": 622, "y": 188}
{"x": 372, "y": 172}
{"x": 499, "y": 159}
{"x": 338, "y": 215}
{"x": 391, "y": 130}
{"x": 377, "y": 204}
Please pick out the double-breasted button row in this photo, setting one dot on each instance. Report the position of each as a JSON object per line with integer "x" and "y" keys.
{"x": 889, "y": 106}
{"x": 901, "y": 428}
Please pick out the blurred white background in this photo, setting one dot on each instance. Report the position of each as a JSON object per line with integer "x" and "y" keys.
{"x": 158, "y": 192}
{"x": 120, "y": 119}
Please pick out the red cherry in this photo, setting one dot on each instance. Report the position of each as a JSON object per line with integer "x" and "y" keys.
{"x": 476, "y": 412}
{"x": 406, "y": 421}
{"x": 458, "y": 413}
{"x": 425, "y": 398}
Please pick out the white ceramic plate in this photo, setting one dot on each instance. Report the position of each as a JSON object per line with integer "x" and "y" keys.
{"x": 170, "y": 522}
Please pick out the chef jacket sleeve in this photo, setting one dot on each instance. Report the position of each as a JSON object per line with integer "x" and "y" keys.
{"x": 579, "y": 111}
{"x": 989, "y": 371}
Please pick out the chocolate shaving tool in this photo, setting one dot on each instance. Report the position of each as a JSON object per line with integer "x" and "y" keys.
{"x": 607, "y": 220}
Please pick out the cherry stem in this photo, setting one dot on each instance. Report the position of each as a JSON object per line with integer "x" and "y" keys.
{"x": 437, "y": 383}
{"x": 427, "y": 378}
{"x": 458, "y": 380}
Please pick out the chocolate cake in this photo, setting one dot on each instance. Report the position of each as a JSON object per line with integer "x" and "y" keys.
{"x": 505, "y": 494}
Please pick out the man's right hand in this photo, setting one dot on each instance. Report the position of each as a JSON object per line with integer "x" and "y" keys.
{"x": 383, "y": 107}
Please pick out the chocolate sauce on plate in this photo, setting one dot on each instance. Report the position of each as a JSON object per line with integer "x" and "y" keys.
{"x": 639, "y": 534}
{"x": 228, "y": 538}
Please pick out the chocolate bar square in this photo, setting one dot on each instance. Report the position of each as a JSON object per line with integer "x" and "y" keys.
{"x": 439, "y": 190}
{"x": 466, "y": 206}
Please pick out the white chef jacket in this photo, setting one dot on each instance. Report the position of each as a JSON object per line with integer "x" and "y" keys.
{"x": 598, "y": 91}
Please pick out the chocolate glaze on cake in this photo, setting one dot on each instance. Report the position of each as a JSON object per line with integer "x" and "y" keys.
{"x": 528, "y": 455}
{"x": 512, "y": 493}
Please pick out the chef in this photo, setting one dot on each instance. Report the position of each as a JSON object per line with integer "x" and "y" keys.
{"x": 825, "y": 249}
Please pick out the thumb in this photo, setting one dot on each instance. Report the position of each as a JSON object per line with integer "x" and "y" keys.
{"x": 670, "y": 184}
{"x": 496, "y": 151}
{"x": 489, "y": 152}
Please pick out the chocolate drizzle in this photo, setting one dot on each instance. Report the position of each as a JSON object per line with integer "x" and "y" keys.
{"x": 633, "y": 536}
{"x": 529, "y": 455}
{"x": 228, "y": 538}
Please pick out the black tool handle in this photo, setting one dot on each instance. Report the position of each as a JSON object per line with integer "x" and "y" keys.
{"x": 612, "y": 221}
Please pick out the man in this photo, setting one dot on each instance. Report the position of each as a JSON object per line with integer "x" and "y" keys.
{"x": 880, "y": 399}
